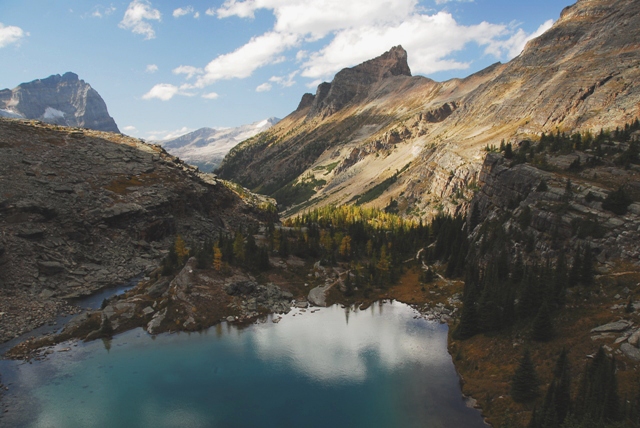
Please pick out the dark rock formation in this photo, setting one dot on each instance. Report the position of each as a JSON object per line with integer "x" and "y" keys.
{"x": 306, "y": 101}
{"x": 82, "y": 210}
{"x": 61, "y": 100}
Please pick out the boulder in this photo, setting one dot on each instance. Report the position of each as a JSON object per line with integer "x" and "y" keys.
{"x": 630, "y": 351}
{"x": 615, "y": 327}
{"x": 50, "y": 268}
{"x": 154, "y": 324}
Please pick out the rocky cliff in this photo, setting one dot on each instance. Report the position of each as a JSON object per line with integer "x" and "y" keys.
{"x": 350, "y": 138}
{"x": 555, "y": 210}
{"x": 81, "y": 210}
{"x": 62, "y": 100}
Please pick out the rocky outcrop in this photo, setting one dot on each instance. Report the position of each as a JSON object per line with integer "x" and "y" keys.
{"x": 62, "y": 100}
{"x": 81, "y": 210}
{"x": 559, "y": 212}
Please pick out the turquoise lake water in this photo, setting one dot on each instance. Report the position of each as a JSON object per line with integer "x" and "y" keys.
{"x": 337, "y": 367}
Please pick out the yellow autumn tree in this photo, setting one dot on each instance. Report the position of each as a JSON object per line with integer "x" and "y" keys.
{"x": 181, "y": 250}
{"x": 217, "y": 259}
{"x": 345, "y": 247}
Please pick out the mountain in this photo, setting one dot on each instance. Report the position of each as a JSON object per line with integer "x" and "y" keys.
{"x": 81, "y": 210}
{"x": 62, "y": 100}
{"x": 376, "y": 134}
{"x": 206, "y": 147}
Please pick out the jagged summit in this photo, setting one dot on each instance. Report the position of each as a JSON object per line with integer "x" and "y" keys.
{"x": 62, "y": 100}
{"x": 353, "y": 84}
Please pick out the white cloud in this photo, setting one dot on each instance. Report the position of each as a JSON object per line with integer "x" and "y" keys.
{"x": 151, "y": 68}
{"x": 189, "y": 70}
{"x": 429, "y": 40}
{"x": 10, "y": 34}
{"x": 285, "y": 81}
{"x": 181, "y": 11}
{"x": 351, "y": 32}
{"x": 210, "y": 96}
{"x": 265, "y": 87}
{"x": 136, "y": 17}
{"x": 102, "y": 11}
{"x": 242, "y": 62}
{"x": 162, "y": 91}
{"x": 196, "y": 15}
{"x": 130, "y": 128}
{"x": 514, "y": 45}
{"x": 449, "y": 1}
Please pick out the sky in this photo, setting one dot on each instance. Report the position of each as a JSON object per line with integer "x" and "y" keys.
{"x": 165, "y": 68}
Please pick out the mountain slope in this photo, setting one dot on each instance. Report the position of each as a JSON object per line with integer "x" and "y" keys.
{"x": 81, "y": 210}
{"x": 581, "y": 74}
{"x": 206, "y": 147}
{"x": 62, "y": 100}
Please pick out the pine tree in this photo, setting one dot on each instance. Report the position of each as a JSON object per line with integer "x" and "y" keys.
{"x": 468, "y": 325}
{"x": 542, "y": 325}
{"x": 238, "y": 248}
{"x": 525, "y": 383}
{"x": 587, "y": 273}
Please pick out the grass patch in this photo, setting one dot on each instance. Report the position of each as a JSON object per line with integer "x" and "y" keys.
{"x": 296, "y": 193}
{"x": 376, "y": 190}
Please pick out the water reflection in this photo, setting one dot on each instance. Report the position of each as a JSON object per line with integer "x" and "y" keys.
{"x": 331, "y": 348}
{"x": 377, "y": 367}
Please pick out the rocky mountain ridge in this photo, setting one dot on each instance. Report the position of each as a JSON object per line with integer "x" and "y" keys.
{"x": 81, "y": 210}
{"x": 206, "y": 147}
{"x": 62, "y": 100}
{"x": 580, "y": 75}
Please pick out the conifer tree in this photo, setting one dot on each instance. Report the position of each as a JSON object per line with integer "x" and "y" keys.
{"x": 587, "y": 273}
{"x": 542, "y": 325}
{"x": 238, "y": 248}
{"x": 525, "y": 383}
{"x": 468, "y": 325}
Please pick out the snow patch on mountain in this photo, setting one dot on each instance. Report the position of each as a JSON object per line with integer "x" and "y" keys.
{"x": 11, "y": 114}
{"x": 206, "y": 147}
{"x": 51, "y": 113}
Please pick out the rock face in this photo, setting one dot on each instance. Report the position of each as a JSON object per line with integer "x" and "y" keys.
{"x": 558, "y": 218}
{"x": 374, "y": 119}
{"x": 354, "y": 84}
{"x": 81, "y": 210}
{"x": 62, "y": 100}
{"x": 206, "y": 147}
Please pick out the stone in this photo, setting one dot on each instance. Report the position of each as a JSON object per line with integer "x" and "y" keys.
{"x": 50, "y": 268}
{"x": 634, "y": 339}
{"x": 148, "y": 310}
{"x": 615, "y": 327}
{"x": 630, "y": 351}
{"x": 156, "y": 321}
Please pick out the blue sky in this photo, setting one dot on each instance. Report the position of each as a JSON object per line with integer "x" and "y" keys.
{"x": 168, "y": 67}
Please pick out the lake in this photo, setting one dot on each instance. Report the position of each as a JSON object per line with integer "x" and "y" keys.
{"x": 341, "y": 367}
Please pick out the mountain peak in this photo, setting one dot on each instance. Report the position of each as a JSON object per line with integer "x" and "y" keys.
{"x": 391, "y": 63}
{"x": 64, "y": 100}
{"x": 355, "y": 83}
